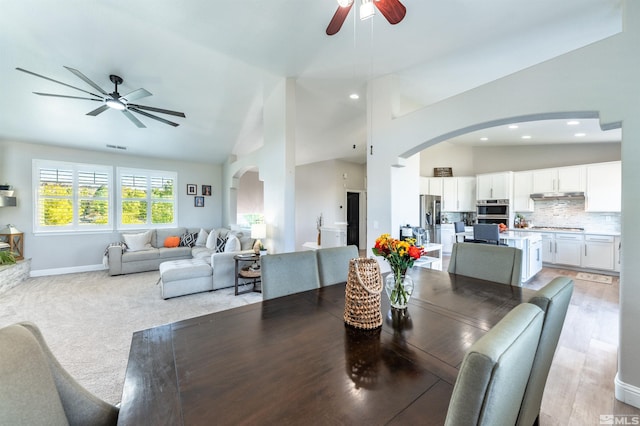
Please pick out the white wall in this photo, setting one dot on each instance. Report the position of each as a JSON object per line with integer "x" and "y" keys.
{"x": 321, "y": 188}
{"x": 601, "y": 77}
{"x": 83, "y": 251}
{"x": 467, "y": 161}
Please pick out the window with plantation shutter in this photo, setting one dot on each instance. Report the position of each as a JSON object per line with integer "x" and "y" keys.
{"x": 147, "y": 198}
{"x": 72, "y": 197}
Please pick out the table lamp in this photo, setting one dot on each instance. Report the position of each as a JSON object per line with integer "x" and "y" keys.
{"x": 258, "y": 231}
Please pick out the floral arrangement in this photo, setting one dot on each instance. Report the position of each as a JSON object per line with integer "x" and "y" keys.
{"x": 400, "y": 254}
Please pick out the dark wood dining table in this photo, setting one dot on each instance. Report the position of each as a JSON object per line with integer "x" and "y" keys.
{"x": 292, "y": 360}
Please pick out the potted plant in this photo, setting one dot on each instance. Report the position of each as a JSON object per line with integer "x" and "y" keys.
{"x": 7, "y": 258}
{"x": 262, "y": 249}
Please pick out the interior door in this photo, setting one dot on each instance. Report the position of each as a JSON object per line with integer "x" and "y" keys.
{"x": 353, "y": 218}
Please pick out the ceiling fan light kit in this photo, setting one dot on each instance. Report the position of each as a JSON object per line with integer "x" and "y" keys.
{"x": 392, "y": 10}
{"x": 112, "y": 100}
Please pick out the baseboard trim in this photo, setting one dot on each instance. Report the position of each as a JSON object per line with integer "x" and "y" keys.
{"x": 69, "y": 270}
{"x": 627, "y": 393}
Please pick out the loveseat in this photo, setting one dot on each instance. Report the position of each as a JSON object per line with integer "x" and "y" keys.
{"x": 145, "y": 250}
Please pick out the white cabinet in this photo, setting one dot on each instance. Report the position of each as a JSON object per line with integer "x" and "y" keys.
{"x": 435, "y": 186}
{"x": 522, "y": 190}
{"x": 458, "y": 194}
{"x": 447, "y": 237}
{"x": 535, "y": 257}
{"x": 494, "y": 186}
{"x": 604, "y": 187}
{"x": 617, "y": 246}
{"x": 548, "y": 248}
{"x": 562, "y": 179}
{"x": 599, "y": 252}
{"x": 568, "y": 249}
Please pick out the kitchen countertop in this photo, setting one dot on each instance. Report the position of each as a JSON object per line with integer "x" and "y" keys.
{"x": 564, "y": 231}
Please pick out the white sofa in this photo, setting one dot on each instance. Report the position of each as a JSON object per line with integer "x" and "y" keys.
{"x": 126, "y": 261}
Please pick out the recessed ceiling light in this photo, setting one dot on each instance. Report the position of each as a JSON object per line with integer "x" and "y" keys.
{"x": 484, "y": 138}
{"x": 573, "y": 123}
{"x": 579, "y": 135}
{"x": 354, "y": 96}
{"x": 526, "y": 137}
{"x": 513, "y": 126}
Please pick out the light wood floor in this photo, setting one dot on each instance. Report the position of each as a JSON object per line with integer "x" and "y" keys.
{"x": 580, "y": 386}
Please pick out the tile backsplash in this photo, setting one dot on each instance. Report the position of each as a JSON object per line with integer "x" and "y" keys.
{"x": 571, "y": 213}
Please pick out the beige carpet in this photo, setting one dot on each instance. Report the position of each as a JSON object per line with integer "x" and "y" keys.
{"x": 88, "y": 319}
{"x": 596, "y": 278}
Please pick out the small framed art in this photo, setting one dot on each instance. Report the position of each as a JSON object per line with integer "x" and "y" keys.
{"x": 198, "y": 201}
{"x": 192, "y": 189}
{"x": 206, "y": 190}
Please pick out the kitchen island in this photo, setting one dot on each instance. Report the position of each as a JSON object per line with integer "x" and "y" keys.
{"x": 531, "y": 245}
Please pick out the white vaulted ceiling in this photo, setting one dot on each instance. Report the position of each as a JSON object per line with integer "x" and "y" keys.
{"x": 214, "y": 60}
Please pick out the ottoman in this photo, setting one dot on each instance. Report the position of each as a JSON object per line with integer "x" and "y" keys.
{"x": 186, "y": 276}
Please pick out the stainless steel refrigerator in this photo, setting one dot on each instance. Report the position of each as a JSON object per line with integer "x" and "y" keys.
{"x": 430, "y": 213}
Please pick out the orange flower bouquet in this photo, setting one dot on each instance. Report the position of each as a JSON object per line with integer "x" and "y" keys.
{"x": 401, "y": 254}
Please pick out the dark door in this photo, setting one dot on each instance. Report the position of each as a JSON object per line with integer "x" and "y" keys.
{"x": 353, "y": 218}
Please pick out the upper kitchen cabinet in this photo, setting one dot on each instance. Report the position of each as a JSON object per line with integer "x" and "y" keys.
{"x": 458, "y": 194}
{"x": 522, "y": 190}
{"x": 494, "y": 186}
{"x": 431, "y": 186}
{"x": 561, "y": 179}
{"x": 604, "y": 187}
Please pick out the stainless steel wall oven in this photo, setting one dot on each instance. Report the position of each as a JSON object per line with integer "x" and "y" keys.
{"x": 493, "y": 211}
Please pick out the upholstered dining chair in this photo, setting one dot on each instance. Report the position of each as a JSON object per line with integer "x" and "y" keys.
{"x": 458, "y": 229}
{"x": 494, "y": 372}
{"x": 36, "y": 390}
{"x": 499, "y": 264}
{"x": 287, "y": 273}
{"x": 553, "y": 299}
{"x": 333, "y": 264}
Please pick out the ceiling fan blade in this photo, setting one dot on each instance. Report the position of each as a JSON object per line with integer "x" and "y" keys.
{"x": 86, "y": 80}
{"x": 133, "y": 119}
{"x": 98, "y": 110}
{"x": 155, "y": 117}
{"x": 164, "y": 111}
{"x": 136, "y": 94}
{"x": 393, "y": 10}
{"x": 66, "y": 96}
{"x": 56, "y": 81}
{"x": 338, "y": 19}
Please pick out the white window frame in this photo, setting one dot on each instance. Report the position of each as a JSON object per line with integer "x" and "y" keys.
{"x": 75, "y": 226}
{"x": 149, "y": 174}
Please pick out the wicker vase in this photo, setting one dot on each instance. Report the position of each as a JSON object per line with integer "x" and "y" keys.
{"x": 362, "y": 294}
{"x": 399, "y": 288}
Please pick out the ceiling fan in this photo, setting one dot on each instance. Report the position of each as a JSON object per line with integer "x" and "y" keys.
{"x": 112, "y": 100}
{"x": 393, "y": 10}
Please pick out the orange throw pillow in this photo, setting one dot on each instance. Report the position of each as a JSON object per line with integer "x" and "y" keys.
{"x": 172, "y": 241}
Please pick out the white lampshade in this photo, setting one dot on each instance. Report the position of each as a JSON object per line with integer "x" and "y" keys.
{"x": 259, "y": 230}
{"x": 10, "y": 229}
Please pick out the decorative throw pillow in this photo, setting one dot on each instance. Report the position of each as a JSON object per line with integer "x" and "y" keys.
{"x": 172, "y": 242}
{"x": 232, "y": 244}
{"x": 211, "y": 239}
{"x": 202, "y": 238}
{"x": 137, "y": 242}
{"x": 188, "y": 239}
{"x": 220, "y": 243}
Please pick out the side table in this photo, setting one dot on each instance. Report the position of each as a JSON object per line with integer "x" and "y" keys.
{"x": 249, "y": 274}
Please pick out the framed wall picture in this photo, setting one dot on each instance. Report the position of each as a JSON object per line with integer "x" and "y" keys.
{"x": 206, "y": 190}
{"x": 198, "y": 201}
{"x": 192, "y": 189}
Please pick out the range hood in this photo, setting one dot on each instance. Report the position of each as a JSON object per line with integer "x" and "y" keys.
{"x": 557, "y": 196}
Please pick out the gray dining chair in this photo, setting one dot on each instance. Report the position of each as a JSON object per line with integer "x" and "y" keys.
{"x": 287, "y": 273}
{"x": 333, "y": 264}
{"x": 36, "y": 390}
{"x": 494, "y": 372}
{"x": 458, "y": 228}
{"x": 553, "y": 299}
{"x": 487, "y": 233}
{"x": 499, "y": 264}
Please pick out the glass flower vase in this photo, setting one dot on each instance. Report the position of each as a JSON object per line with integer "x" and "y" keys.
{"x": 399, "y": 288}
